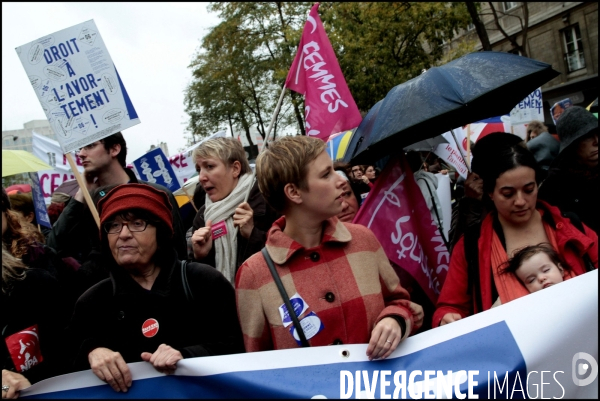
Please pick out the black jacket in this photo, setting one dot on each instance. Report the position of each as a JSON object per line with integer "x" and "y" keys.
{"x": 34, "y": 302}
{"x": 111, "y": 314}
{"x": 573, "y": 192}
{"x": 75, "y": 234}
{"x": 263, "y": 215}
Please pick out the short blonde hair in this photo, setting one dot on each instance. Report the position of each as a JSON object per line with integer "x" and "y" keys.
{"x": 228, "y": 150}
{"x": 285, "y": 162}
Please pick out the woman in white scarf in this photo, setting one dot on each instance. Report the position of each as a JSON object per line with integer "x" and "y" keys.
{"x": 226, "y": 176}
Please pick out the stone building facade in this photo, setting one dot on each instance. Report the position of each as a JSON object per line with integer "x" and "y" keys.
{"x": 563, "y": 34}
{"x": 20, "y": 139}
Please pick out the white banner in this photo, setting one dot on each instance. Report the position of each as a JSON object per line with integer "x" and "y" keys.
{"x": 544, "y": 345}
{"x": 78, "y": 85}
{"x": 50, "y": 151}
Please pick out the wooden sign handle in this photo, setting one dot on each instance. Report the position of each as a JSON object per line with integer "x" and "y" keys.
{"x": 84, "y": 190}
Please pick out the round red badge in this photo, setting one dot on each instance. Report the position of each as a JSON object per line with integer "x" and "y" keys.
{"x": 150, "y": 328}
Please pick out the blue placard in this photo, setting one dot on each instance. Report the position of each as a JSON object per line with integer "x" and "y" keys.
{"x": 155, "y": 167}
{"x": 41, "y": 214}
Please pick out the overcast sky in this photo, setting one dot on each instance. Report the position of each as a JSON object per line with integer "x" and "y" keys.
{"x": 151, "y": 44}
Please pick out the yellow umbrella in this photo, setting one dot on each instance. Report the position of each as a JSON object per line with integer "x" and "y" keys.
{"x": 20, "y": 161}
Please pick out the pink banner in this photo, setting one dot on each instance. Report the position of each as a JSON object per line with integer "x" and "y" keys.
{"x": 396, "y": 212}
{"x": 316, "y": 73}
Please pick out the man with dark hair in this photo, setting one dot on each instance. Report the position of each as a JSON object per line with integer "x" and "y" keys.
{"x": 75, "y": 233}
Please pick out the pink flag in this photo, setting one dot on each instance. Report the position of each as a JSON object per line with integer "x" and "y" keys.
{"x": 396, "y": 212}
{"x": 315, "y": 73}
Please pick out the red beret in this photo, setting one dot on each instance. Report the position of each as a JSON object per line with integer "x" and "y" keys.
{"x": 136, "y": 196}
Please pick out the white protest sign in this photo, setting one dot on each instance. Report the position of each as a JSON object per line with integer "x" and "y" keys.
{"x": 78, "y": 85}
{"x": 450, "y": 153}
{"x": 529, "y": 109}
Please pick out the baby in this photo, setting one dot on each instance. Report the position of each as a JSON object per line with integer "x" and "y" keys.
{"x": 536, "y": 266}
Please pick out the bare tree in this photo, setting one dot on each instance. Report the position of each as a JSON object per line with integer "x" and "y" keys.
{"x": 479, "y": 26}
{"x": 522, "y": 48}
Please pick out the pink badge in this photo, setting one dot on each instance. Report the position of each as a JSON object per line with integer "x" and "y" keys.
{"x": 24, "y": 348}
{"x": 219, "y": 230}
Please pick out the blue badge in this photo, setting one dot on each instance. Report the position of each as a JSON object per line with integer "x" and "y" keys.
{"x": 300, "y": 306}
{"x": 311, "y": 325}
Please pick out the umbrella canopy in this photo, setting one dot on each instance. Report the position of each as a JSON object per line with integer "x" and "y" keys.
{"x": 68, "y": 187}
{"x": 20, "y": 161}
{"x": 337, "y": 145}
{"x": 426, "y": 145}
{"x": 474, "y": 87}
{"x": 18, "y": 188}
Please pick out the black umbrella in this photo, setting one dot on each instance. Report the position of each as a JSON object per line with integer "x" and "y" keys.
{"x": 474, "y": 87}
{"x": 426, "y": 145}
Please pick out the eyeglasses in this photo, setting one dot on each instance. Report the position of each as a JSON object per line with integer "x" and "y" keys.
{"x": 115, "y": 227}
{"x": 89, "y": 147}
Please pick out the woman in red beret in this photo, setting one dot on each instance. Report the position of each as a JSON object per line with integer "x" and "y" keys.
{"x": 153, "y": 308}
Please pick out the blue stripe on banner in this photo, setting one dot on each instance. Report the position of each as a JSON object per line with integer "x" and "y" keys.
{"x": 130, "y": 109}
{"x": 464, "y": 352}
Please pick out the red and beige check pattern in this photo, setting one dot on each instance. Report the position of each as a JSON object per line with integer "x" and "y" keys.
{"x": 347, "y": 281}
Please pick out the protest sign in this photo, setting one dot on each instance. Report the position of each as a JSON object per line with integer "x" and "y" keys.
{"x": 559, "y": 107}
{"x": 39, "y": 205}
{"x": 544, "y": 345}
{"x": 154, "y": 167}
{"x": 450, "y": 153}
{"x": 50, "y": 150}
{"x": 316, "y": 74}
{"x": 396, "y": 212}
{"x": 78, "y": 85}
{"x": 529, "y": 109}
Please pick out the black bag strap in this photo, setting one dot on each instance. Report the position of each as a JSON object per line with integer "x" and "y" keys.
{"x": 184, "y": 280}
{"x": 286, "y": 298}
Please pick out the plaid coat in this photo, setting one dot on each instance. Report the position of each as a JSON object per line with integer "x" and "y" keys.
{"x": 347, "y": 281}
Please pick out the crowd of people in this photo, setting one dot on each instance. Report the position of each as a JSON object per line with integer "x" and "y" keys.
{"x": 272, "y": 259}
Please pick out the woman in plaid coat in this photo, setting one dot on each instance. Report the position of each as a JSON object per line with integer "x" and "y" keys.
{"x": 336, "y": 274}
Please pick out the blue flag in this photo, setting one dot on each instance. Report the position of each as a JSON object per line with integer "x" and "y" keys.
{"x": 41, "y": 214}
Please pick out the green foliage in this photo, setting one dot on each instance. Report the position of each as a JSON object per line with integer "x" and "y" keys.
{"x": 381, "y": 45}
{"x": 242, "y": 63}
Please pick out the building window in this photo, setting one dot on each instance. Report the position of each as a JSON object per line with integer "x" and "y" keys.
{"x": 574, "y": 48}
{"x": 509, "y": 5}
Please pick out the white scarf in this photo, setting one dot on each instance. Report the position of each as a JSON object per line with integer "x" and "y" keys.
{"x": 226, "y": 245}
